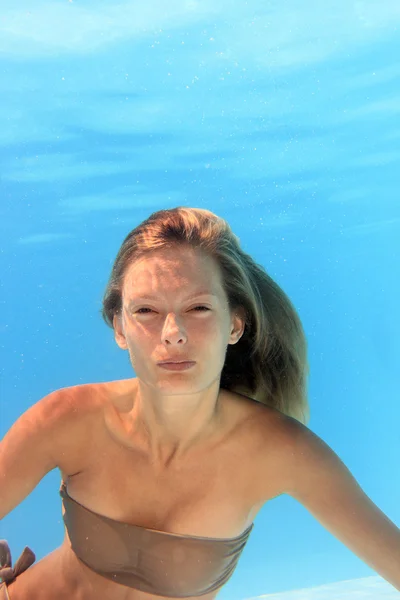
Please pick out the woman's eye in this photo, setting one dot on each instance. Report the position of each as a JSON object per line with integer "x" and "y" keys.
{"x": 195, "y": 308}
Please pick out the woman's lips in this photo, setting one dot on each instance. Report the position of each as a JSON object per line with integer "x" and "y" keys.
{"x": 177, "y": 366}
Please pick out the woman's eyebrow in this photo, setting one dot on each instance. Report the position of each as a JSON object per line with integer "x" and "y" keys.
{"x": 194, "y": 295}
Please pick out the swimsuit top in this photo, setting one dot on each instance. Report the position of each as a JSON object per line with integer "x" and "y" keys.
{"x": 153, "y": 561}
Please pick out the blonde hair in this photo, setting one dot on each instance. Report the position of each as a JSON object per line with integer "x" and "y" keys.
{"x": 269, "y": 363}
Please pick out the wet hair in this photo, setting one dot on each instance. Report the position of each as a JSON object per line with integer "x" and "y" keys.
{"x": 269, "y": 363}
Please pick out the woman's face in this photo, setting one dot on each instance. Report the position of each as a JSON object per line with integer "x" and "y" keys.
{"x": 174, "y": 307}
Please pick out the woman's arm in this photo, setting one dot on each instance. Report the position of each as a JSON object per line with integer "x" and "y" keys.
{"x": 31, "y": 448}
{"x": 322, "y": 483}
{"x": 26, "y": 452}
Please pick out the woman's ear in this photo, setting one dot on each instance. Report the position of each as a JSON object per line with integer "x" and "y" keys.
{"x": 238, "y": 325}
{"x": 119, "y": 332}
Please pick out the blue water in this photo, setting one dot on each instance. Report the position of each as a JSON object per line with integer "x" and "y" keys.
{"x": 283, "y": 118}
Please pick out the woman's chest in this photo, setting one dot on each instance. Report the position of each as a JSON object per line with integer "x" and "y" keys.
{"x": 214, "y": 492}
{"x": 209, "y": 495}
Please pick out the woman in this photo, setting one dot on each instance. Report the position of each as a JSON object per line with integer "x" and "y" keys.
{"x": 163, "y": 474}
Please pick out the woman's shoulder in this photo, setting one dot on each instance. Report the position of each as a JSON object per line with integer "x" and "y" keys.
{"x": 87, "y": 398}
{"x": 271, "y": 442}
{"x": 79, "y": 404}
{"x": 78, "y": 416}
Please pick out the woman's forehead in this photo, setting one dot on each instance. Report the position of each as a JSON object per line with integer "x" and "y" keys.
{"x": 166, "y": 271}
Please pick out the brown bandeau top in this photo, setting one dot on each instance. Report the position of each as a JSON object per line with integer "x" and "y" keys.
{"x": 153, "y": 561}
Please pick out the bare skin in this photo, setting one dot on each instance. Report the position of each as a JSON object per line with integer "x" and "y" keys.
{"x": 171, "y": 498}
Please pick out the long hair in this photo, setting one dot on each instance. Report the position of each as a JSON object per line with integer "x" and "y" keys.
{"x": 269, "y": 363}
